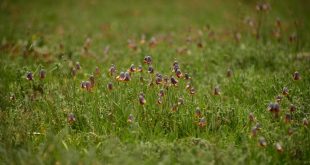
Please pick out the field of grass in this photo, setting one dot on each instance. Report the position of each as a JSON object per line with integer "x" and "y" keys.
{"x": 154, "y": 82}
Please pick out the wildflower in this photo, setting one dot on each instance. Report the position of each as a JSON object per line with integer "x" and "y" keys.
{"x": 285, "y": 91}
{"x": 175, "y": 66}
{"x": 159, "y": 100}
{"x": 296, "y": 76}
{"x": 202, "y": 122}
{"x": 77, "y": 66}
{"x": 42, "y": 74}
{"x": 262, "y": 142}
{"x": 217, "y": 90}
{"x": 178, "y": 73}
{"x": 97, "y": 70}
{"x": 288, "y": 118}
{"x": 251, "y": 117}
{"x": 192, "y": 91}
{"x": 132, "y": 68}
{"x": 292, "y": 37}
{"x": 279, "y": 98}
{"x": 12, "y": 97}
{"x": 274, "y": 108}
{"x": 198, "y": 112}
{"x": 73, "y": 72}
{"x": 110, "y": 86}
{"x": 305, "y": 122}
{"x": 127, "y": 76}
{"x": 112, "y": 70}
{"x": 121, "y": 77}
{"x": 158, "y": 79}
{"x": 140, "y": 69}
{"x": 29, "y": 76}
{"x": 180, "y": 101}
{"x": 174, "y": 108}
{"x": 229, "y": 73}
{"x": 148, "y": 60}
{"x": 279, "y": 147}
{"x": 188, "y": 86}
{"x": 132, "y": 45}
{"x": 153, "y": 42}
{"x": 142, "y": 99}
{"x": 292, "y": 108}
{"x": 92, "y": 80}
{"x": 71, "y": 118}
{"x": 86, "y": 85}
{"x": 174, "y": 81}
{"x": 161, "y": 93}
{"x": 186, "y": 76}
{"x": 150, "y": 70}
{"x": 130, "y": 119}
{"x": 254, "y": 131}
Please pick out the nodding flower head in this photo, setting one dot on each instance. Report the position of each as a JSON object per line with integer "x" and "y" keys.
{"x": 305, "y": 122}
{"x": 229, "y": 73}
{"x": 198, "y": 112}
{"x": 127, "y": 76}
{"x": 147, "y": 60}
{"x": 150, "y": 69}
{"x": 251, "y": 117}
{"x": 186, "y": 76}
{"x": 77, "y": 66}
{"x": 254, "y": 131}
{"x": 178, "y": 73}
{"x": 290, "y": 131}
{"x": 159, "y": 100}
{"x": 92, "y": 80}
{"x": 86, "y": 85}
{"x": 158, "y": 80}
{"x": 279, "y": 147}
{"x": 110, "y": 86}
{"x": 42, "y": 74}
{"x": 29, "y": 76}
{"x": 73, "y": 72}
{"x": 140, "y": 69}
{"x": 112, "y": 70}
{"x": 132, "y": 68}
{"x": 174, "y": 108}
{"x": 130, "y": 119}
{"x": 192, "y": 91}
{"x": 142, "y": 99}
{"x": 121, "y": 77}
{"x": 288, "y": 118}
{"x": 188, "y": 86}
{"x": 97, "y": 71}
{"x": 174, "y": 81}
{"x": 292, "y": 108}
{"x": 285, "y": 91}
{"x": 274, "y": 108}
{"x": 296, "y": 76}
{"x": 175, "y": 66}
{"x": 180, "y": 101}
{"x": 262, "y": 142}
{"x": 217, "y": 90}
{"x": 161, "y": 93}
{"x": 71, "y": 118}
{"x": 202, "y": 122}
{"x": 279, "y": 98}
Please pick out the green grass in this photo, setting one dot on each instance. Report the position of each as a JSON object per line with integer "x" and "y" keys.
{"x": 36, "y": 35}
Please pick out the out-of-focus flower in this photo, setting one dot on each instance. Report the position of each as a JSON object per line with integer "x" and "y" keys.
{"x": 130, "y": 119}
{"x": 132, "y": 68}
{"x": 202, "y": 122}
{"x": 110, "y": 86}
{"x": 29, "y": 76}
{"x": 251, "y": 117}
{"x": 305, "y": 122}
{"x": 292, "y": 108}
{"x": 279, "y": 147}
{"x": 42, "y": 74}
{"x": 112, "y": 70}
{"x": 217, "y": 90}
{"x": 147, "y": 60}
{"x": 142, "y": 99}
{"x": 198, "y": 112}
{"x": 262, "y": 142}
{"x": 71, "y": 118}
{"x": 77, "y": 66}
{"x": 150, "y": 70}
{"x": 229, "y": 73}
{"x": 285, "y": 91}
{"x": 296, "y": 76}
{"x": 174, "y": 81}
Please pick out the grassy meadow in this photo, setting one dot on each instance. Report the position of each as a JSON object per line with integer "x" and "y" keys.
{"x": 154, "y": 82}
